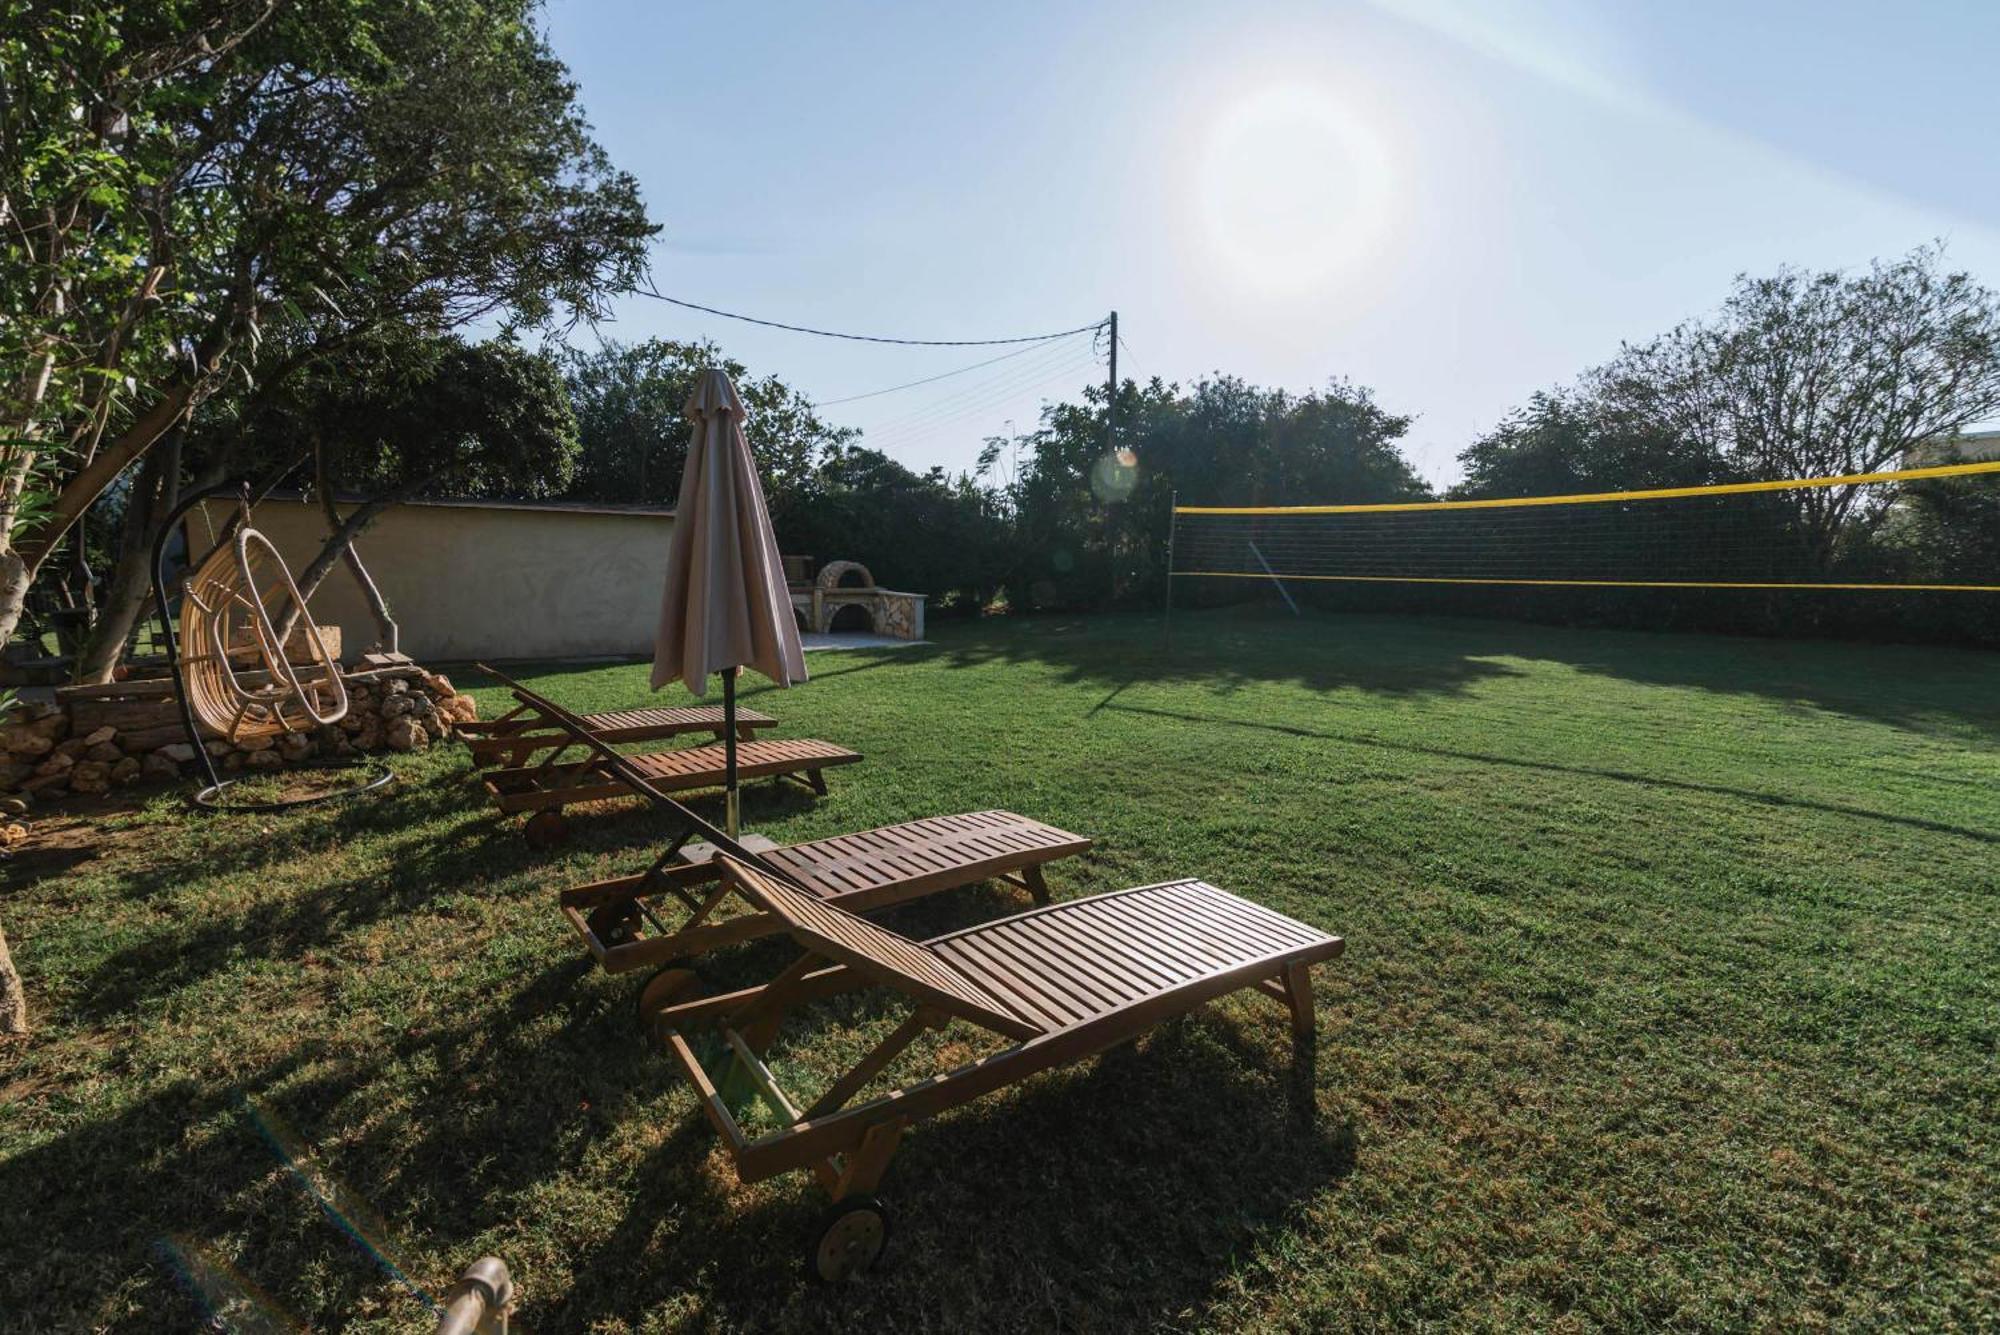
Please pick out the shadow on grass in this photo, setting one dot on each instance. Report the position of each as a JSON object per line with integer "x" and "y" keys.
{"x": 97, "y": 1199}
{"x": 1920, "y": 689}
{"x": 1584, "y": 771}
{"x": 100, "y": 1197}
{"x": 764, "y": 801}
{"x": 1120, "y": 1191}
{"x": 433, "y": 848}
{"x": 1916, "y": 688}
{"x": 1115, "y": 650}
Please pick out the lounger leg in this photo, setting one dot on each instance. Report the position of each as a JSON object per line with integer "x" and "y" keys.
{"x": 1032, "y": 876}
{"x": 1299, "y": 992}
{"x": 865, "y": 1165}
{"x": 759, "y": 1020}
{"x": 817, "y": 780}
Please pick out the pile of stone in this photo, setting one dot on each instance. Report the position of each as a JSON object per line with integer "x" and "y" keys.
{"x": 92, "y": 739}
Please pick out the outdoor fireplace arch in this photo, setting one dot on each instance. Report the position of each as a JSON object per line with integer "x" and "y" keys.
{"x": 845, "y": 575}
{"x": 843, "y": 598}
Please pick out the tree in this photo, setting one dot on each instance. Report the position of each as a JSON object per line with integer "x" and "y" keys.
{"x": 399, "y": 418}
{"x": 942, "y": 536}
{"x": 1091, "y": 524}
{"x": 1822, "y": 375}
{"x": 1570, "y": 440}
{"x": 630, "y": 398}
{"x": 183, "y": 186}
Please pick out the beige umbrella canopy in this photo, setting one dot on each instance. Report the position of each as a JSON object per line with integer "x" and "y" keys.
{"x": 725, "y": 605}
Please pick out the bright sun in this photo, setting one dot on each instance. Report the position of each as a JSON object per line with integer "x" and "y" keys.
{"x": 1294, "y": 190}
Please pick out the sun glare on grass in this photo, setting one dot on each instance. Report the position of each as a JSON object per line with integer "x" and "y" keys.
{"x": 1295, "y": 190}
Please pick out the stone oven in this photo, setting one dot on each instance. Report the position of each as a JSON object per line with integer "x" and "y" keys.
{"x": 844, "y": 598}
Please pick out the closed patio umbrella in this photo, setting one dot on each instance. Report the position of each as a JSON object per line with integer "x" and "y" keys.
{"x": 725, "y": 605}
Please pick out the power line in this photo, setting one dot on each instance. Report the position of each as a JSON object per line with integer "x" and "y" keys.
{"x": 980, "y": 398}
{"x": 945, "y": 375}
{"x": 906, "y": 436}
{"x": 1048, "y": 356}
{"x": 656, "y": 294}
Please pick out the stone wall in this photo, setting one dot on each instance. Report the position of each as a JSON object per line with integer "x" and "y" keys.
{"x": 91, "y": 740}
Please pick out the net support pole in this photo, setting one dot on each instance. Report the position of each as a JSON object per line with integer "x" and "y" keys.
{"x": 1173, "y": 522}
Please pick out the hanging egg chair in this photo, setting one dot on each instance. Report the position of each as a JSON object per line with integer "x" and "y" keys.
{"x": 239, "y": 678}
{"x": 241, "y": 612}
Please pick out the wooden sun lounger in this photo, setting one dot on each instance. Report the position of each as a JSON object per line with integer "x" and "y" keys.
{"x": 1063, "y": 983}
{"x": 554, "y": 782}
{"x": 869, "y": 870}
{"x": 557, "y": 783}
{"x": 523, "y": 730}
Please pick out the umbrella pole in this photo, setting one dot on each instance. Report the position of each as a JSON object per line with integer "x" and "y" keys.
{"x": 732, "y": 818}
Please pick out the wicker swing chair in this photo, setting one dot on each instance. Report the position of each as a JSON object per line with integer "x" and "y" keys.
{"x": 238, "y": 679}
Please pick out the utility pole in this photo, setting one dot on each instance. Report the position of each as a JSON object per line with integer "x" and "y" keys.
{"x": 1111, "y": 396}
{"x": 1111, "y": 456}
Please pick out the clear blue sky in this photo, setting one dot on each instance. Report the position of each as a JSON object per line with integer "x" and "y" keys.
{"x": 1456, "y": 202}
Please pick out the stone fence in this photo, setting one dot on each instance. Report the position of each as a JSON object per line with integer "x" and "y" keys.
{"x": 91, "y": 739}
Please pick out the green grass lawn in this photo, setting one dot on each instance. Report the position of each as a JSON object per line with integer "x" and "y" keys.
{"x": 1670, "y": 999}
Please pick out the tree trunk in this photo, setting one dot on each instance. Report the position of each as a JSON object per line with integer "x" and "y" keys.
{"x": 329, "y": 555}
{"x": 339, "y": 545}
{"x": 128, "y": 590}
{"x": 387, "y": 637}
{"x": 15, "y": 577}
{"x": 13, "y": 997}
{"x": 77, "y": 495}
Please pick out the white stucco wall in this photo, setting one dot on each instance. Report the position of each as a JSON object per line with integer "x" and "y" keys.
{"x": 486, "y": 582}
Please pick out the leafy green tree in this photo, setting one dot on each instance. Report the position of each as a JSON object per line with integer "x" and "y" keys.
{"x": 395, "y": 419}
{"x": 930, "y": 533}
{"x": 926, "y": 532}
{"x": 1092, "y": 522}
{"x": 630, "y": 399}
{"x": 184, "y": 187}
{"x": 1822, "y": 375}
{"x": 1569, "y": 440}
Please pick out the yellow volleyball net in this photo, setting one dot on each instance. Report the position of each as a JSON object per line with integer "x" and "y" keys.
{"x": 1931, "y": 529}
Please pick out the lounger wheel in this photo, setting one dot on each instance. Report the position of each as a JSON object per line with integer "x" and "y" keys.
{"x": 616, "y": 923}
{"x": 546, "y": 829}
{"x": 848, "y": 1240}
{"x": 662, "y": 990}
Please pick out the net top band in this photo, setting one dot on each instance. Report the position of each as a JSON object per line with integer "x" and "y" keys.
{"x": 1598, "y": 497}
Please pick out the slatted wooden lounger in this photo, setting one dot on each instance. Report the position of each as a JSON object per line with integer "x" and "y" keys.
{"x": 869, "y": 870}
{"x": 1063, "y": 983}
{"x": 554, "y": 782}
{"x": 523, "y": 730}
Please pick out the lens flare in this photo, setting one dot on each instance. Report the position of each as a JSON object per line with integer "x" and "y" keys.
{"x": 228, "y": 1297}
{"x": 1114, "y": 476}
{"x": 340, "y": 1203}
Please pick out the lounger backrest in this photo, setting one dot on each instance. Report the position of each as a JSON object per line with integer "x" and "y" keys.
{"x": 885, "y": 956}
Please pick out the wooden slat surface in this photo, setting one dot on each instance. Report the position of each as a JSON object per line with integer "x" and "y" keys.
{"x": 950, "y": 850}
{"x": 695, "y": 766}
{"x": 511, "y": 741}
{"x": 1066, "y": 964}
{"x": 853, "y": 940}
{"x": 639, "y": 725}
{"x": 699, "y": 766}
{"x": 869, "y": 870}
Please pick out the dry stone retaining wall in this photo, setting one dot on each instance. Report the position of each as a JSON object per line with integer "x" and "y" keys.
{"x": 91, "y": 740}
